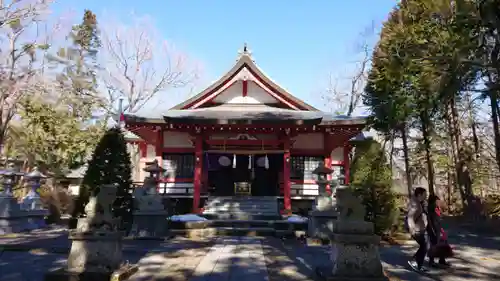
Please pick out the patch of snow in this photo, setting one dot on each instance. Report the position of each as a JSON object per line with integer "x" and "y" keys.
{"x": 187, "y": 217}
{"x": 297, "y": 219}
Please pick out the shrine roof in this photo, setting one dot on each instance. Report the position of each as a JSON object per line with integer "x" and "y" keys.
{"x": 245, "y": 69}
{"x": 242, "y": 114}
{"x": 245, "y": 114}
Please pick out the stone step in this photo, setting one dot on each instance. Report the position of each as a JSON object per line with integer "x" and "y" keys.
{"x": 245, "y": 231}
{"x": 242, "y": 223}
{"x": 236, "y": 209}
{"x": 241, "y": 207}
{"x": 241, "y": 203}
{"x": 252, "y": 206}
{"x": 237, "y": 198}
{"x": 241, "y": 216}
{"x": 241, "y": 199}
{"x": 230, "y": 231}
{"x": 243, "y": 212}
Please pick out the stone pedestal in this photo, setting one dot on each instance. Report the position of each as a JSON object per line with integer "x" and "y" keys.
{"x": 354, "y": 254}
{"x": 12, "y": 219}
{"x": 96, "y": 256}
{"x": 150, "y": 224}
{"x": 35, "y": 219}
{"x": 321, "y": 218}
{"x": 150, "y": 218}
{"x": 34, "y": 211}
{"x": 321, "y": 223}
{"x": 96, "y": 249}
{"x": 354, "y": 246}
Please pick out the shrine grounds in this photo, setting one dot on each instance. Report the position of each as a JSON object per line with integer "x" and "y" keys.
{"x": 29, "y": 256}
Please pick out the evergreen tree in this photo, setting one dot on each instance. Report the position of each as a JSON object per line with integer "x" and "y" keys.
{"x": 54, "y": 131}
{"x": 110, "y": 164}
{"x": 372, "y": 181}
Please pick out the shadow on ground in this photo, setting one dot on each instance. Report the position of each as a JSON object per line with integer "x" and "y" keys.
{"x": 230, "y": 258}
{"x": 241, "y": 259}
{"x": 469, "y": 263}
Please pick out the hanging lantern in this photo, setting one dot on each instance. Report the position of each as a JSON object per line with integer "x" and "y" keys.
{"x": 249, "y": 162}
{"x": 234, "y": 161}
{"x": 266, "y": 162}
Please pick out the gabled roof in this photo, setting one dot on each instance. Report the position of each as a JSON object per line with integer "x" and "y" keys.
{"x": 245, "y": 61}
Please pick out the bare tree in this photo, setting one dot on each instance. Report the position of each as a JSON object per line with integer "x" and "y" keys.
{"x": 20, "y": 41}
{"x": 138, "y": 65}
{"x": 343, "y": 94}
{"x": 17, "y": 11}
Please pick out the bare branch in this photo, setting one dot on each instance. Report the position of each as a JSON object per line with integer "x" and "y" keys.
{"x": 139, "y": 65}
{"x": 20, "y": 41}
{"x": 343, "y": 95}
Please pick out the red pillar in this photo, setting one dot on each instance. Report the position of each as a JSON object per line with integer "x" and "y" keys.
{"x": 159, "y": 145}
{"x": 347, "y": 149}
{"x": 286, "y": 178}
{"x": 328, "y": 164}
{"x": 159, "y": 153}
{"x": 198, "y": 167}
{"x": 328, "y": 159}
{"x": 143, "y": 149}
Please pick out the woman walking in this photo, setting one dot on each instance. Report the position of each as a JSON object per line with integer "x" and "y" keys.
{"x": 417, "y": 224}
{"x": 438, "y": 240}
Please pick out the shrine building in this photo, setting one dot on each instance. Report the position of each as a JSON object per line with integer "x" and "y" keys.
{"x": 244, "y": 135}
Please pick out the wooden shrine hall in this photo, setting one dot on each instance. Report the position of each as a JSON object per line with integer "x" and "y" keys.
{"x": 244, "y": 135}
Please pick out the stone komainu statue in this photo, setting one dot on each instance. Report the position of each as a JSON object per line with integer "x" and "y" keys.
{"x": 99, "y": 210}
{"x": 349, "y": 206}
{"x": 146, "y": 198}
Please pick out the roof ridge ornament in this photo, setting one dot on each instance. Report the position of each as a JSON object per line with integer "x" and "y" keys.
{"x": 245, "y": 52}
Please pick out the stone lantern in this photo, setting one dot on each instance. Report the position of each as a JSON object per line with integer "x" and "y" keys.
{"x": 12, "y": 218}
{"x": 32, "y": 203}
{"x": 9, "y": 176}
{"x": 149, "y": 214}
{"x": 322, "y": 173}
{"x": 32, "y": 200}
{"x": 323, "y": 211}
{"x": 154, "y": 169}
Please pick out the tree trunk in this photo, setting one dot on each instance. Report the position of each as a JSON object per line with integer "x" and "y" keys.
{"x": 391, "y": 154}
{"x": 472, "y": 122}
{"x": 494, "y": 119}
{"x": 404, "y": 138}
{"x": 452, "y": 152}
{"x": 464, "y": 180}
{"x": 426, "y": 134}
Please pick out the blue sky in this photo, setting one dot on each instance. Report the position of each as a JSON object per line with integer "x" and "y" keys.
{"x": 297, "y": 43}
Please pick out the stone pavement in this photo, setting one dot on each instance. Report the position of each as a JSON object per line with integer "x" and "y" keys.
{"x": 477, "y": 257}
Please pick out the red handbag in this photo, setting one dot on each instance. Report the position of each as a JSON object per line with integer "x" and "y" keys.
{"x": 442, "y": 249}
{"x": 444, "y": 236}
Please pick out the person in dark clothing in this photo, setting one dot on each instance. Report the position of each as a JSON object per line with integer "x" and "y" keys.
{"x": 435, "y": 232}
{"x": 417, "y": 225}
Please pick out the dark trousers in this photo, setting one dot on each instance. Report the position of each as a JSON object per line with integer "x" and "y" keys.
{"x": 422, "y": 248}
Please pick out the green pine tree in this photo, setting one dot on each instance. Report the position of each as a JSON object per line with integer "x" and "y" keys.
{"x": 110, "y": 164}
{"x": 372, "y": 181}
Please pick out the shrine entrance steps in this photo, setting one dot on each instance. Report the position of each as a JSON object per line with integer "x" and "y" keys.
{"x": 240, "y": 216}
{"x": 242, "y": 208}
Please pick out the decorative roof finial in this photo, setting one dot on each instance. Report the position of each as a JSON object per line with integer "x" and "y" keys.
{"x": 245, "y": 52}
